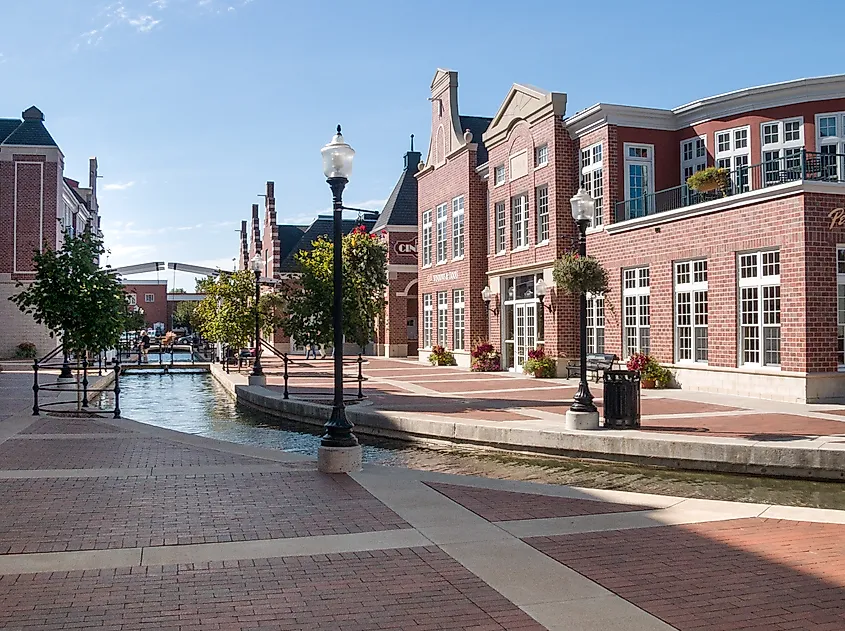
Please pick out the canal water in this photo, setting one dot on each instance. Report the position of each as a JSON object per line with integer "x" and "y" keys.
{"x": 195, "y": 403}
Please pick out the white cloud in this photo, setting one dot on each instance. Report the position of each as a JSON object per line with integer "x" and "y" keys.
{"x": 2, "y": 58}
{"x": 119, "y": 186}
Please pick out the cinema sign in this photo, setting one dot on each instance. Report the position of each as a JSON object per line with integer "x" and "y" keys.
{"x": 407, "y": 245}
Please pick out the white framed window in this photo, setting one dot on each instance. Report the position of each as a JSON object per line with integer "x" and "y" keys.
{"x": 501, "y": 221}
{"x": 830, "y": 144}
{"x": 733, "y": 153}
{"x": 592, "y": 178}
{"x": 781, "y": 144}
{"x": 636, "y": 295}
{"x": 595, "y": 323}
{"x": 541, "y": 156}
{"x": 458, "y": 319}
{"x": 458, "y": 227}
{"x": 427, "y": 320}
{"x": 759, "y": 308}
{"x": 499, "y": 175}
{"x": 442, "y": 232}
{"x": 542, "y": 196}
{"x": 691, "y": 311}
{"x": 519, "y": 221}
{"x": 149, "y": 297}
{"x": 639, "y": 178}
{"x": 426, "y": 238}
{"x": 840, "y": 305}
{"x": 442, "y": 317}
{"x": 132, "y": 299}
{"x": 693, "y": 157}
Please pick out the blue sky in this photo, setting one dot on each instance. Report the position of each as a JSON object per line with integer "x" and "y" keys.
{"x": 191, "y": 105}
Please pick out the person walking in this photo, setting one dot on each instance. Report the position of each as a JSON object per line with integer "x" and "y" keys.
{"x": 145, "y": 347}
{"x": 311, "y": 351}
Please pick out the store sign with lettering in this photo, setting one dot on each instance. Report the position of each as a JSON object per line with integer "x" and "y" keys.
{"x": 837, "y": 217}
{"x": 442, "y": 277}
{"x": 406, "y": 246}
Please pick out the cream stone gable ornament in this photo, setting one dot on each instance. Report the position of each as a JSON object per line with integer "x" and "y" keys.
{"x": 523, "y": 102}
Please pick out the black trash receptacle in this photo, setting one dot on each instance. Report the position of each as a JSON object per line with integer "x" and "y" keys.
{"x": 621, "y": 399}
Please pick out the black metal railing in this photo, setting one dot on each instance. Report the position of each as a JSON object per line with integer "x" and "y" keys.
{"x": 803, "y": 165}
{"x": 67, "y": 383}
{"x": 287, "y": 361}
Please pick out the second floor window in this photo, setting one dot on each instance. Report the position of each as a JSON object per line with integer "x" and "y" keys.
{"x": 519, "y": 221}
{"x": 149, "y": 298}
{"x": 499, "y": 175}
{"x": 442, "y": 227}
{"x": 592, "y": 178}
{"x": 542, "y": 194}
{"x": 501, "y": 216}
{"x": 426, "y": 238}
{"x": 782, "y": 142}
{"x": 458, "y": 227}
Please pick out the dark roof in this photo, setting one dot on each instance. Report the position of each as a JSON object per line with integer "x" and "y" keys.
{"x": 401, "y": 206}
{"x": 76, "y": 193}
{"x": 289, "y": 236}
{"x": 477, "y": 125}
{"x": 322, "y": 227}
{"x": 29, "y": 131}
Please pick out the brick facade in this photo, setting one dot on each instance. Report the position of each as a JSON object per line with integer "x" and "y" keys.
{"x": 36, "y": 203}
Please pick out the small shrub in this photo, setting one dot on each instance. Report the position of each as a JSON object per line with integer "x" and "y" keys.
{"x": 708, "y": 179}
{"x": 441, "y": 357}
{"x": 539, "y": 365}
{"x": 485, "y": 358}
{"x": 26, "y": 350}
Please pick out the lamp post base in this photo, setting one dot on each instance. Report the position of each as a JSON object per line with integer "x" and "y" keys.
{"x": 339, "y": 459}
{"x": 582, "y": 420}
{"x": 258, "y": 380}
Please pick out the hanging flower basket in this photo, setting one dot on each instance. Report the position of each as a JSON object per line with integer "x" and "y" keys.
{"x": 577, "y": 274}
{"x": 709, "y": 179}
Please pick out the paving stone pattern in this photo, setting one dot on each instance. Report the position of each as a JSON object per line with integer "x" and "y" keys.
{"x": 508, "y": 505}
{"x": 59, "y": 425}
{"x": 123, "y": 452}
{"x": 738, "y": 575}
{"x": 420, "y": 589}
{"x": 63, "y": 514}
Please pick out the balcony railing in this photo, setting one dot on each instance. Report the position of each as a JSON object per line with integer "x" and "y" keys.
{"x": 806, "y": 165}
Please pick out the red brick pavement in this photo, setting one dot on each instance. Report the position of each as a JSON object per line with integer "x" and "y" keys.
{"x": 59, "y": 425}
{"x": 509, "y": 505}
{"x": 740, "y": 575}
{"x": 420, "y": 589}
{"x": 117, "y": 451}
{"x": 60, "y": 514}
{"x": 761, "y": 426}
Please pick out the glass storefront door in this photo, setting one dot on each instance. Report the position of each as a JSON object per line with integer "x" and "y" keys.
{"x": 522, "y": 320}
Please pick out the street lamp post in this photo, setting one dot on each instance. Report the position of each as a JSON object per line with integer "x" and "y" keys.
{"x": 583, "y": 414}
{"x": 337, "y": 167}
{"x": 257, "y": 377}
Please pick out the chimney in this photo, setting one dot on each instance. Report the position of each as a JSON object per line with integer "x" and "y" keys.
{"x": 256, "y": 232}
{"x": 244, "y": 246}
{"x": 412, "y": 158}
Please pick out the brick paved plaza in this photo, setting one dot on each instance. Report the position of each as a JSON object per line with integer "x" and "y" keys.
{"x": 112, "y": 524}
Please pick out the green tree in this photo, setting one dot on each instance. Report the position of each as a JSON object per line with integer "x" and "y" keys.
{"x": 73, "y": 297}
{"x": 185, "y": 315}
{"x": 227, "y": 313}
{"x": 308, "y": 301}
{"x": 134, "y": 321}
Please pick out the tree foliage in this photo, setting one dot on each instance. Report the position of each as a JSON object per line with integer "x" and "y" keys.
{"x": 308, "y": 302}
{"x": 227, "y": 313}
{"x": 73, "y": 297}
{"x": 184, "y": 314}
{"x": 134, "y": 321}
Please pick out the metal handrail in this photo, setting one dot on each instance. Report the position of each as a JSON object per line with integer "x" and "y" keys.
{"x": 808, "y": 165}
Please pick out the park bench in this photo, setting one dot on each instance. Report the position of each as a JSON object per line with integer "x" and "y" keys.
{"x": 596, "y": 363}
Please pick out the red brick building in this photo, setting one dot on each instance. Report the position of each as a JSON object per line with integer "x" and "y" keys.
{"x": 739, "y": 290}
{"x": 151, "y": 296}
{"x": 37, "y": 205}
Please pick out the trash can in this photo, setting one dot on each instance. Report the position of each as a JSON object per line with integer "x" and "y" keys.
{"x": 621, "y": 399}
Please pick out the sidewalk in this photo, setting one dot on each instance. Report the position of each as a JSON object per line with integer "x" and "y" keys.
{"x": 679, "y": 428}
{"x": 112, "y": 524}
